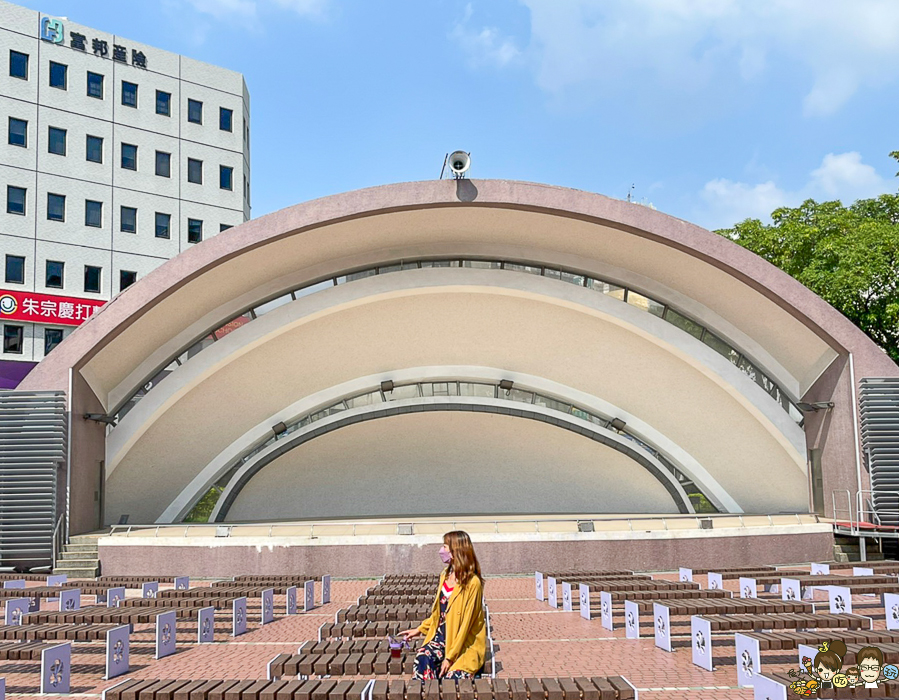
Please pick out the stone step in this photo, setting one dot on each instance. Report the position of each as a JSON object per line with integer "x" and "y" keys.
{"x": 82, "y": 547}
{"x": 76, "y": 573}
{"x": 81, "y": 554}
{"x": 79, "y": 563}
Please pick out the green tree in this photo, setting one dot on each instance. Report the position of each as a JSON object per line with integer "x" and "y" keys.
{"x": 849, "y": 256}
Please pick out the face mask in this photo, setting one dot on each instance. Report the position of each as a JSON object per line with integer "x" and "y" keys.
{"x": 446, "y": 557}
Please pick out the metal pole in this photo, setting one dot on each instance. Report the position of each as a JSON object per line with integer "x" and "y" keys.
{"x": 858, "y": 451}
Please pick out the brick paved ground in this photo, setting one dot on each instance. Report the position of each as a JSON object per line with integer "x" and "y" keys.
{"x": 531, "y": 640}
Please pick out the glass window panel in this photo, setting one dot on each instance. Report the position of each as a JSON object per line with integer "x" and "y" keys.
{"x": 384, "y": 269}
{"x": 580, "y": 413}
{"x": 369, "y": 399}
{"x": 54, "y": 274}
{"x": 407, "y": 391}
{"x": 530, "y": 269}
{"x": 52, "y": 338}
{"x": 522, "y": 396}
{"x": 645, "y": 303}
{"x": 15, "y": 200}
{"x": 313, "y": 288}
{"x": 18, "y": 132}
{"x": 18, "y": 64}
{"x": 720, "y": 346}
{"x": 353, "y": 276}
{"x": 15, "y": 269}
{"x": 126, "y": 279}
{"x": 163, "y": 164}
{"x": 56, "y": 207}
{"x": 612, "y": 290}
{"x": 487, "y": 391}
{"x": 749, "y": 369}
{"x": 129, "y": 156}
{"x": 263, "y": 309}
{"x": 483, "y": 264}
{"x": 440, "y": 263}
{"x": 194, "y": 230}
{"x": 94, "y": 149}
{"x": 95, "y": 85}
{"x": 13, "y": 339}
{"x": 92, "y": 277}
{"x": 58, "y": 75}
{"x": 195, "y": 171}
{"x": 572, "y": 278}
{"x": 795, "y": 413}
{"x": 551, "y": 403}
{"x": 226, "y": 118}
{"x": 438, "y": 389}
{"x": 226, "y": 177}
{"x": 93, "y": 213}
{"x": 195, "y": 111}
{"x": 163, "y": 225}
{"x": 200, "y": 346}
{"x": 56, "y": 141}
{"x": 411, "y": 266}
{"x": 552, "y": 273}
{"x": 233, "y": 325}
{"x": 684, "y": 323}
{"x": 163, "y": 103}
{"x": 129, "y": 94}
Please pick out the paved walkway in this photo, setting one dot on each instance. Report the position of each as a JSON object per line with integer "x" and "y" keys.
{"x": 531, "y": 640}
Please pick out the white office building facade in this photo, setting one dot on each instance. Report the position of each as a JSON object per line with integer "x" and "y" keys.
{"x": 117, "y": 156}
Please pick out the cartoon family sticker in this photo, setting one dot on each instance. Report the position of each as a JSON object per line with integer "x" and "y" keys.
{"x": 827, "y": 670}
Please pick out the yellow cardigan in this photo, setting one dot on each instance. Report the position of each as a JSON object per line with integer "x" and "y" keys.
{"x": 466, "y": 628}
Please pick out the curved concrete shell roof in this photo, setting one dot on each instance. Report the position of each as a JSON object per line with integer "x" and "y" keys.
{"x": 694, "y": 405}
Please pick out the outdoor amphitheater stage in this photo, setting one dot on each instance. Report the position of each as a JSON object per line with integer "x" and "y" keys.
{"x": 505, "y": 545}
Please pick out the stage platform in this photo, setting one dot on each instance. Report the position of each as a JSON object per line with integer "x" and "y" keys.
{"x": 505, "y": 545}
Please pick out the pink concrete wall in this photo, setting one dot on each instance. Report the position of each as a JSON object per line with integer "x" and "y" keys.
{"x": 495, "y": 557}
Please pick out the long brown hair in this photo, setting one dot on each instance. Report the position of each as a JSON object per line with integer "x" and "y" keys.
{"x": 465, "y": 562}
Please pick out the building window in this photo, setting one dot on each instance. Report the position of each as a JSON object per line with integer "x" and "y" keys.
{"x": 15, "y": 200}
{"x": 18, "y": 132}
{"x": 195, "y": 171}
{"x": 18, "y": 64}
{"x": 52, "y": 338}
{"x": 226, "y": 118}
{"x": 195, "y": 111}
{"x": 93, "y": 213}
{"x": 54, "y": 274}
{"x": 95, "y": 85}
{"x": 129, "y": 94}
{"x": 128, "y": 223}
{"x": 92, "y": 277}
{"x": 59, "y": 75}
{"x": 163, "y": 225}
{"x": 126, "y": 279}
{"x": 15, "y": 269}
{"x": 56, "y": 141}
{"x": 224, "y": 227}
{"x": 129, "y": 156}
{"x": 56, "y": 207}
{"x": 194, "y": 230}
{"x": 164, "y": 103}
{"x": 226, "y": 177}
{"x": 163, "y": 164}
{"x": 94, "y": 149}
{"x": 13, "y": 339}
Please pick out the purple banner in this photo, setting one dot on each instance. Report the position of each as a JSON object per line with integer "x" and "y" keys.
{"x": 12, "y": 373}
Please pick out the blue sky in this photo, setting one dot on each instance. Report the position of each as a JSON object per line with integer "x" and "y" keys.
{"x": 715, "y": 110}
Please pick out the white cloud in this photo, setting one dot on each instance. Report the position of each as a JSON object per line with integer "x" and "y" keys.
{"x": 309, "y": 8}
{"x": 700, "y": 46}
{"x": 841, "y": 176}
{"x": 484, "y": 46}
{"x": 248, "y": 10}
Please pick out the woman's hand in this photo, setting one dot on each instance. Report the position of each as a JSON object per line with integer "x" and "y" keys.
{"x": 444, "y": 668}
{"x": 410, "y": 634}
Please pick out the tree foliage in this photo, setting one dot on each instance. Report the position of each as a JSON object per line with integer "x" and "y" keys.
{"x": 849, "y": 256}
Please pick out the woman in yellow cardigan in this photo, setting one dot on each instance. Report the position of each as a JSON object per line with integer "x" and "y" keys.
{"x": 456, "y": 632}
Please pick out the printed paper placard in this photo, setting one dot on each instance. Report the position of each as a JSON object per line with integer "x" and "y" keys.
{"x": 862, "y": 571}
{"x": 584, "y": 600}
{"x": 239, "y": 616}
{"x": 2, "y": 689}
{"x": 662, "y": 624}
{"x": 292, "y": 600}
{"x": 790, "y": 589}
{"x": 149, "y": 590}
{"x": 206, "y": 625}
{"x": 18, "y": 583}
{"x": 631, "y": 620}
{"x": 767, "y": 689}
{"x": 57, "y": 580}
{"x": 56, "y": 669}
{"x": 326, "y": 589}
{"x": 308, "y": 596}
{"x": 165, "y": 634}
{"x": 268, "y": 606}
{"x": 538, "y": 586}
{"x": 820, "y": 569}
{"x": 716, "y": 581}
{"x": 70, "y": 599}
{"x": 552, "y": 596}
{"x": 114, "y": 595}
{"x": 748, "y": 587}
{"x": 701, "y": 641}
{"x": 685, "y": 574}
{"x": 891, "y": 605}
{"x": 117, "y": 649}
{"x": 749, "y": 660}
{"x": 182, "y": 583}
{"x": 605, "y": 609}
{"x": 15, "y": 610}
{"x": 805, "y": 651}
{"x": 567, "y": 605}
{"x": 840, "y": 600}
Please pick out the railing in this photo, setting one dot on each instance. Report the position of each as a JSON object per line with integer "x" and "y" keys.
{"x": 359, "y": 528}
{"x": 867, "y": 520}
{"x": 59, "y": 540}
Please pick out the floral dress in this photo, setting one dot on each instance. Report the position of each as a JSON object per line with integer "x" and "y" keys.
{"x": 431, "y": 655}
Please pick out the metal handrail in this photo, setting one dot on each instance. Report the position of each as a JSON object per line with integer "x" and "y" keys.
{"x": 57, "y": 545}
{"x": 167, "y": 529}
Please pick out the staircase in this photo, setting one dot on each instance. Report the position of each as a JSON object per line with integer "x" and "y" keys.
{"x": 846, "y": 548}
{"x": 80, "y": 557}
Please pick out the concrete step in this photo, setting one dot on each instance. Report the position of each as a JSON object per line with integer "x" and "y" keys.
{"x": 82, "y": 547}
{"x": 79, "y": 563}
{"x": 77, "y": 573}
{"x": 81, "y": 554}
